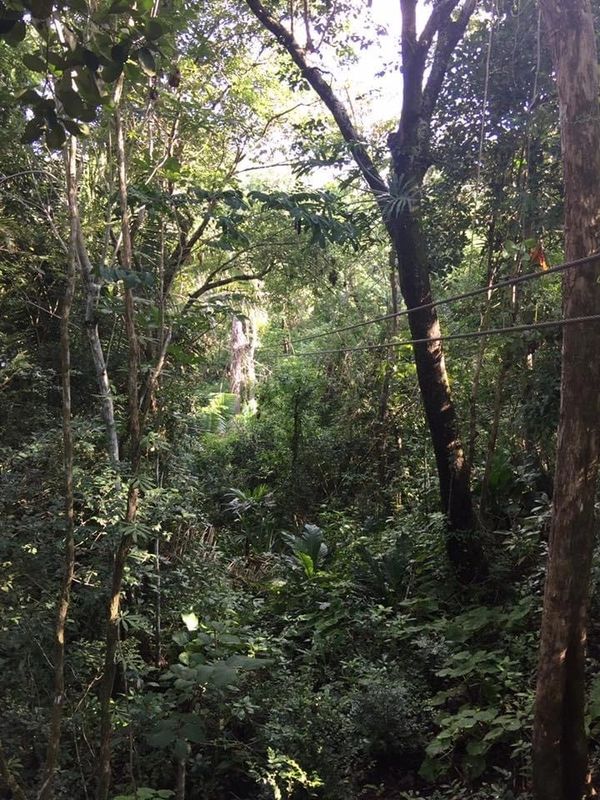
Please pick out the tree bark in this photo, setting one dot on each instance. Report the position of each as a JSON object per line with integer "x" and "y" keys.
{"x": 397, "y": 203}
{"x": 92, "y": 292}
{"x": 62, "y": 607}
{"x": 560, "y": 753}
{"x": 238, "y": 347}
{"x": 120, "y": 557}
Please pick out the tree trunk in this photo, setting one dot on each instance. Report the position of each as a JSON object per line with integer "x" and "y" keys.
{"x": 238, "y": 347}
{"x": 452, "y": 467}
{"x": 560, "y": 756}
{"x": 64, "y": 597}
{"x": 409, "y": 147}
{"x": 92, "y": 292}
{"x": 120, "y": 558}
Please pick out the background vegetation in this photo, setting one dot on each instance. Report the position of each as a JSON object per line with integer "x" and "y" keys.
{"x": 292, "y": 623}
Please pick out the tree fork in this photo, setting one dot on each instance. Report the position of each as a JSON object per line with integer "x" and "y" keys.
{"x": 404, "y": 228}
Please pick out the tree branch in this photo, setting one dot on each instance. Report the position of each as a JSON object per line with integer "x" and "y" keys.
{"x": 437, "y": 19}
{"x": 207, "y": 286}
{"x": 323, "y": 89}
{"x": 449, "y": 34}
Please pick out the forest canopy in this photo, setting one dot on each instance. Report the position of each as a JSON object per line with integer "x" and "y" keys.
{"x": 299, "y": 392}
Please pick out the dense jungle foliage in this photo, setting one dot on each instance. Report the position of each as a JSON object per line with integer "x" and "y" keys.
{"x": 296, "y": 614}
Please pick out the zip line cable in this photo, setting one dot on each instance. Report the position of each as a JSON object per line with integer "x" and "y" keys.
{"x": 464, "y": 296}
{"x": 553, "y": 323}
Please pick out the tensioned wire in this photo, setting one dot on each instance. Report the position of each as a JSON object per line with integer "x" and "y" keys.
{"x": 454, "y": 298}
{"x": 451, "y": 337}
{"x": 553, "y": 323}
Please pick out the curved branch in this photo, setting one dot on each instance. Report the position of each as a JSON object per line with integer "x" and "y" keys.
{"x": 315, "y": 78}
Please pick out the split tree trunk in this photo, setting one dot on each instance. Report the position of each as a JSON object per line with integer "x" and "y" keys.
{"x": 560, "y": 753}
{"x": 409, "y": 148}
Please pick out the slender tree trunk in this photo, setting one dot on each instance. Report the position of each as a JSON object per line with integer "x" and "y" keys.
{"x": 238, "y": 345}
{"x": 92, "y": 292}
{"x": 386, "y": 387}
{"x": 62, "y": 606}
{"x": 180, "y": 779}
{"x": 560, "y": 753}
{"x": 120, "y": 559}
{"x": 493, "y": 435}
{"x": 485, "y": 314}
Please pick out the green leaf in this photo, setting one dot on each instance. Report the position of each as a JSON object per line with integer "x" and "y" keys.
{"x": 120, "y": 52}
{"x": 71, "y": 101}
{"x": 190, "y": 621}
{"x": 112, "y": 71}
{"x": 88, "y": 114}
{"x": 35, "y": 63}
{"x": 41, "y": 9}
{"x": 146, "y": 61}
{"x": 181, "y": 749}
{"x": 162, "y": 738}
{"x": 78, "y": 5}
{"x": 56, "y": 136}
{"x": 120, "y": 7}
{"x": 91, "y": 60}
{"x": 6, "y": 25}
{"x": 154, "y": 29}
{"x": 223, "y": 675}
{"x": 86, "y": 85}
{"x": 249, "y": 663}
{"x": 33, "y": 130}
{"x": 29, "y": 96}
{"x": 16, "y": 33}
{"x": 172, "y": 165}
{"x": 75, "y": 128}
{"x": 194, "y": 731}
{"x": 477, "y": 747}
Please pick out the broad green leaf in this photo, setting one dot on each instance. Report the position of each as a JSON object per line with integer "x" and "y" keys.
{"x": 33, "y": 130}
{"x": 154, "y": 29}
{"x": 190, "y": 620}
{"x": 146, "y": 61}
{"x": 110, "y": 72}
{"x": 16, "y": 33}
{"x": 34, "y": 63}
{"x": 181, "y": 749}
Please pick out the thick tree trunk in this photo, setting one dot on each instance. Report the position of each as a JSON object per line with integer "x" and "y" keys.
{"x": 452, "y": 467}
{"x": 409, "y": 147}
{"x": 560, "y": 743}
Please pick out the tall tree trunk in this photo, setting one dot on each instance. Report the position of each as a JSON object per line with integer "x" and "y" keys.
{"x": 560, "y": 754}
{"x": 92, "y": 292}
{"x": 238, "y": 347}
{"x": 62, "y": 606}
{"x": 452, "y": 467}
{"x": 409, "y": 147}
{"x": 120, "y": 557}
